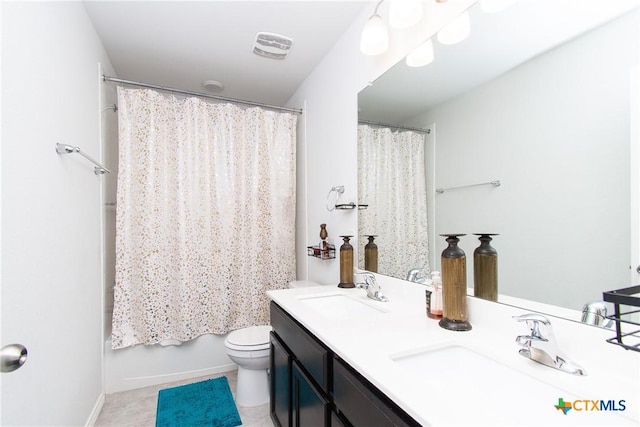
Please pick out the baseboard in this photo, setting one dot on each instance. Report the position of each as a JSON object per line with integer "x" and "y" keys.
{"x": 142, "y": 366}
{"x": 97, "y": 408}
{"x": 131, "y": 383}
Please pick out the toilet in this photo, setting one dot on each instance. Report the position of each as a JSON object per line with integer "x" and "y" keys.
{"x": 249, "y": 349}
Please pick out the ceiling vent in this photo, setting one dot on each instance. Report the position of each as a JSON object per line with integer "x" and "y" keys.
{"x": 272, "y": 45}
{"x": 213, "y": 86}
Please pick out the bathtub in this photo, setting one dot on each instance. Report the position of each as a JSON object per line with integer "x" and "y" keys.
{"x": 143, "y": 366}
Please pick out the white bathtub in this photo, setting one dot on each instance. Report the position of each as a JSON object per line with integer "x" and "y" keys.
{"x": 142, "y": 366}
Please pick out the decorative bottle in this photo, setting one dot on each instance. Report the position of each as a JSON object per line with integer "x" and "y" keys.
{"x": 324, "y": 245}
{"x": 371, "y": 255}
{"x": 485, "y": 269}
{"x": 454, "y": 286}
{"x": 346, "y": 264}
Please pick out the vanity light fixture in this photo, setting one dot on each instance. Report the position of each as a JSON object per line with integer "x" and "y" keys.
{"x": 404, "y": 13}
{"x": 456, "y": 31}
{"x": 421, "y": 56}
{"x": 495, "y": 6}
{"x": 375, "y": 36}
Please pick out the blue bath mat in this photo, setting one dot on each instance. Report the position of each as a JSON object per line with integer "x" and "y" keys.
{"x": 205, "y": 403}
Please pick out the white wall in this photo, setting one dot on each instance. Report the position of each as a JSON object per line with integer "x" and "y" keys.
{"x": 560, "y": 147}
{"x": 51, "y": 213}
{"x": 328, "y": 144}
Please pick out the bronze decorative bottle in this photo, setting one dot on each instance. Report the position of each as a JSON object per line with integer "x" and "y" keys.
{"x": 346, "y": 264}
{"x": 371, "y": 255}
{"x": 324, "y": 245}
{"x": 485, "y": 269}
{"x": 454, "y": 286}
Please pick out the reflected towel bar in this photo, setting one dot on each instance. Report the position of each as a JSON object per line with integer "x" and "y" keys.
{"x": 68, "y": 149}
{"x": 495, "y": 183}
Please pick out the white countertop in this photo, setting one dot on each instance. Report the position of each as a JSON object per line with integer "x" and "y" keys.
{"x": 370, "y": 342}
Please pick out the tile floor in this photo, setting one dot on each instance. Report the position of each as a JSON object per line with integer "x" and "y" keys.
{"x": 138, "y": 407}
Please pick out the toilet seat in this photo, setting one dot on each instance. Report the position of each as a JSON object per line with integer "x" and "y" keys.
{"x": 253, "y": 338}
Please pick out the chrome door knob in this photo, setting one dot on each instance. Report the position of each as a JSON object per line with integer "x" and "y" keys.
{"x": 12, "y": 357}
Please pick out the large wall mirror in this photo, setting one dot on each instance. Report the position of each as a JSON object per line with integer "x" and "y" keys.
{"x": 541, "y": 97}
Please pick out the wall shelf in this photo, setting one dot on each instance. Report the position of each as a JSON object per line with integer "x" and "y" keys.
{"x": 328, "y": 252}
{"x": 628, "y": 297}
{"x": 346, "y": 206}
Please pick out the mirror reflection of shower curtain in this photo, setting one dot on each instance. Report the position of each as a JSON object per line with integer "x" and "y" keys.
{"x": 391, "y": 180}
{"x": 205, "y": 219}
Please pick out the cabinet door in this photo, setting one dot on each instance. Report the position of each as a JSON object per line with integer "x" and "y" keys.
{"x": 308, "y": 407}
{"x": 361, "y": 403}
{"x": 304, "y": 347}
{"x": 280, "y": 385}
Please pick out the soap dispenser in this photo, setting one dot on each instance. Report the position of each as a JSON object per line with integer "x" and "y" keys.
{"x": 435, "y": 310}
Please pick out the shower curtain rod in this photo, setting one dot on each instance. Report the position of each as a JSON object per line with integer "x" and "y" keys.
{"x": 200, "y": 94}
{"x": 387, "y": 125}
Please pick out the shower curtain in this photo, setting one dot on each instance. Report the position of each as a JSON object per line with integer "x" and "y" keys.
{"x": 205, "y": 216}
{"x": 392, "y": 181}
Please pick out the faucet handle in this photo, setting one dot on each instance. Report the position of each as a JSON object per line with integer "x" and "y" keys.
{"x": 369, "y": 279}
{"x": 371, "y": 286}
{"x": 534, "y": 321}
{"x": 533, "y": 317}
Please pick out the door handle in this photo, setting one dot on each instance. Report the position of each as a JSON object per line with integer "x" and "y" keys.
{"x": 12, "y": 357}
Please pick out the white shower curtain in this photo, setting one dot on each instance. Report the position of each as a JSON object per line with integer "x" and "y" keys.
{"x": 392, "y": 181}
{"x": 205, "y": 216}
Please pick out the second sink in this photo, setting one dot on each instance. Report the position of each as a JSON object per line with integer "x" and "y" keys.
{"x": 468, "y": 375}
{"x": 340, "y": 306}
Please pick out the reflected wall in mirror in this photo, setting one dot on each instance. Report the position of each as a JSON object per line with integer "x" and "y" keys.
{"x": 391, "y": 182}
{"x": 539, "y": 97}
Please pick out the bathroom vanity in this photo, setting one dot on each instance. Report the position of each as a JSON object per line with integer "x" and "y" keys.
{"x": 340, "y": 358}
{"x": 311, "y": 385}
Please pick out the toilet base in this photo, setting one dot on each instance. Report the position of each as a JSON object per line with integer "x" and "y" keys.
{"x": 252, "y": 388}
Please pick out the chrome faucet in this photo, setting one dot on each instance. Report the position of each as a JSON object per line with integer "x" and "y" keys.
{"x": 595, "y": 313}
{"x": 371, "y": 286}
{"x": 540, "y": 345}
{"x": 417, "y": 275}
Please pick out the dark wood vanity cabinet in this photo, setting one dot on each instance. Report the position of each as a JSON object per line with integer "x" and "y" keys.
{"x": 310, "y": 386}
{"x": 300, "y": 374}
{"x": 280, "y": 383}
{"x": 360, "y": 403}
{"x": 309, "y": 406}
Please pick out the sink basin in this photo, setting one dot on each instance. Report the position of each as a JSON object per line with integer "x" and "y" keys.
{"x": 459, "y": 360}
{"x": 475, "y": 383}
{"x": 340, "y": 306}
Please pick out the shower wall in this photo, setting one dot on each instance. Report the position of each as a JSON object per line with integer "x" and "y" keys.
{"x": 109, "y": 133}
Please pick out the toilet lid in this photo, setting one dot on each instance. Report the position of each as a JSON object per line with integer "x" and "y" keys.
{"x": 251, "y": 336}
